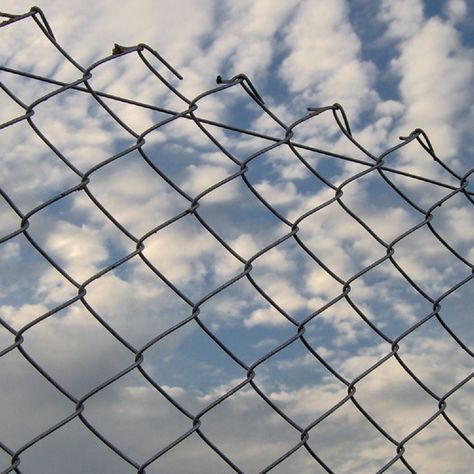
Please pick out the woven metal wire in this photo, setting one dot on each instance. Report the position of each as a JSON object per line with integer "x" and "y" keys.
{"x": 455, "y": 186}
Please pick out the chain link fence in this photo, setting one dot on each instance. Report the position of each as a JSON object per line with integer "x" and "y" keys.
{"x": 336, "y": 327}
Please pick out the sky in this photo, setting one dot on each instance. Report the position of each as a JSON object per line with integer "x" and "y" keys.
{"x": 394, "y": 67}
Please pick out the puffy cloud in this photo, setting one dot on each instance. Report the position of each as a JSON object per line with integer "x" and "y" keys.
{"x": 11, "y": 250}
{"x": 404, "y": 18}
{"x": 201, "y": 177}
{"x": 88, "y": 40}
{"x": 455, "y": 10}
{"x": 265, "y": 316}
{"x": 323, "y": 62}
{"x": 435, "y": 70}
{"x": 246, "y": 34}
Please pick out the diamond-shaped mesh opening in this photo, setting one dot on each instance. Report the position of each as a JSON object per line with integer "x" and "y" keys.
{"x": 127, "y": 410}
{"x": 85, "y": 362}
{"x": 73, "y": 449}
{"x": 299, "y": 384}
{"x": 440, "y": 440}
{"x": 212, "y": 366}
{"x": 257, "y": 227}
{"x": 26, "y": 158}
{"x": 191, "y": 455}
{"x": 390, "y": 302}
{"x": 36, "y": 410}
{"x": 265, "y": 439}
{"x": 29, "y": 290}
{"x": 347, "y": 442}
{"x": 457, "y": 413}
{"x": 194, "y": 263}
{"x": 142, "y": 305}
{"x": 390, "y": 385}
{"x": 437, "y": 359}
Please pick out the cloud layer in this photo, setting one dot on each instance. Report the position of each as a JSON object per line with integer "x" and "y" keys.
{"x": 186, "y": 296}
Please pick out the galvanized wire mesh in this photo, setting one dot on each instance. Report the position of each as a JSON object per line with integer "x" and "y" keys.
{"x": 446, "y": 187}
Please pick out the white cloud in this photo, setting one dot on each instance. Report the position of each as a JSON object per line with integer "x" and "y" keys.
{"x": 380, "y": 394}
{"x": 320, "y": 283}
{"x": 339, "y": 240}
{"x": 201, "y": 177}
{"x": 79, "y": 249}
{"x": 190, "y": 257}
{"x": 404, "y": 17}
{"x": 435, "y": 72}
{"x": 88, "y": 39}
{"x": 245, "y": 246}
{"x": 323, "y": 62}
{"x": 246, "y": 37}
{"x": 268, "y": 316}
{"x": 455, "y": 10}
{"x": 279, "y": 194}
{"x": 31, "y": 174}
{"x": 135, "y": 195}
{"x": 389, "y": 107}
{"x": 19, "y": 317}
{"x": 11, "y": 250}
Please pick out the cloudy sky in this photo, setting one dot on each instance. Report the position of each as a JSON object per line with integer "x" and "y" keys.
{"x": 290, "y": 252}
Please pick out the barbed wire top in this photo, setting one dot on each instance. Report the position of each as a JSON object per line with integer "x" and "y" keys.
{"x": 183, "y": 294}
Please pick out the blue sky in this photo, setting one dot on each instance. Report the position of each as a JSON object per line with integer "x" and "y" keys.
{"x": 394, "y": 66}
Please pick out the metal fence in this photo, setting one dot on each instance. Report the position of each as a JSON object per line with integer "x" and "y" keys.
{"x": 438, "y": 192}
